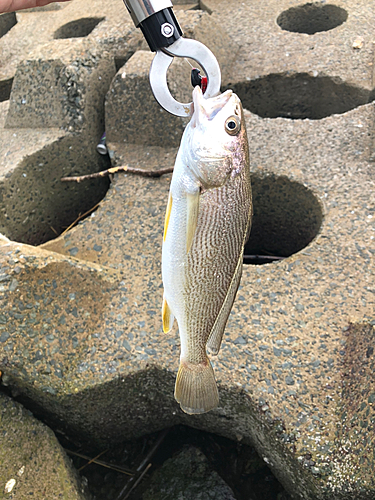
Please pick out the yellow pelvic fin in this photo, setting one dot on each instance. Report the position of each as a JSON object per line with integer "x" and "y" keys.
{"x": 192, "y": 217}
{"x": 196, "y": 388}
{"x": 167, "y": 216}
{"x": 168, "y": 317}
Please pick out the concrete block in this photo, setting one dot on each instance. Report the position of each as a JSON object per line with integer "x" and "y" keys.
{"x": 59, "y": 89}
{"x": 45, "y": 206}
{"x": 33, "y": 464}
{"x": 60, "y": 94}
{"x": 267, "y": 48}
{"x": 132, "y": 114}
{"x": 189, "y": 476}
{"x": 38, "y": 146}
{"x": 80, "y": 328}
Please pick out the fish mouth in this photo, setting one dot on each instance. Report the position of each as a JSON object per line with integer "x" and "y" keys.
{"x": 207, "y": 108}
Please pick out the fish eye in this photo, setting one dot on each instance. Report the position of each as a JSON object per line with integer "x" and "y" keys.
{"x": 232, "y": 125}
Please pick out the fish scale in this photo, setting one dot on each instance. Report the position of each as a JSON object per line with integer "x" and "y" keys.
{"x": 207, "y": 223}
{"x": 208, "y": 284}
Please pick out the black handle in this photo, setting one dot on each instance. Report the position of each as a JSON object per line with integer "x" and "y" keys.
{"x": 161, "y": 29}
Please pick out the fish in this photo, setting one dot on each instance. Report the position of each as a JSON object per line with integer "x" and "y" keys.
{"x": 207, "y": 223}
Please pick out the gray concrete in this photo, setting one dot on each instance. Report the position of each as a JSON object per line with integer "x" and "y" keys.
{"x": 187, "y": 476}
{"x": 80, "y": 328}
{"x": 33, "y": 464}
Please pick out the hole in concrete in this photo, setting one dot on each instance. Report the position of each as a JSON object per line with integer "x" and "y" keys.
{"x": 287, "y": 217}
{"x": 299, "y": 96}
{"x": 239, "y": 465}
{"x": 36, "y": 206}
{"x": 5, "y": 89}
{"x": 7, "y": 21}
{"x": 78, "y": 29}
{"x": 312, "y": 18}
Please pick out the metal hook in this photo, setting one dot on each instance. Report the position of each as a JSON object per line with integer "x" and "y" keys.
{"x": 183, "y": 47}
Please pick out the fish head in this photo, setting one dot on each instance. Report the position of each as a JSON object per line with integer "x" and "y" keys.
{"x": 216, "y": 138}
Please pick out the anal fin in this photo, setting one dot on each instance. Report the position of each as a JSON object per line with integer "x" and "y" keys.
{"x": 192, "y": 217}
{"x": 167, "y": 316}
{"x": 217, "y": 332}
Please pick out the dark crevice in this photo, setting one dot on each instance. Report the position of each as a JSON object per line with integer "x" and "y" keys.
{"x": 299, "y": 96}
{"x": 5, "y": 89}
{"x": 312, "y": 18}
{"x": 287, "y": 217}
{"x": 121, "y": 60}
{"x": 37, "y": 206}
{"x": 238, "y": 464}
{"x": 7, "y": 21}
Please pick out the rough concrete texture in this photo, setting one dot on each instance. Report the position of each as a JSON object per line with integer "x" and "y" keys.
{"x": 266, "y": 49}
{"x": 33, "y": 464}
{"x": 80, "y": 332}
{"x": 187, "y": 476}
{"x": 148, "y": 123}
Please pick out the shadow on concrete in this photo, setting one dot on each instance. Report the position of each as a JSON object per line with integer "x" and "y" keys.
{"x": 7, "y": 21}
{"x": 79, "y": 28}
{"x": 36, "y": 206}
{"x": 312, "y": 18}
{"x": 287, "y": 217}
{"x": 299, "y": 96}
{"x": 5, "y": 89}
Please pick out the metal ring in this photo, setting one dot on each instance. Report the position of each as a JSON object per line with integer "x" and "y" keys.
{"x": 183, "y": 47}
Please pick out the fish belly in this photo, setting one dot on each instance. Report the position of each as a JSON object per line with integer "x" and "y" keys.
{"x": 174, "y": 259}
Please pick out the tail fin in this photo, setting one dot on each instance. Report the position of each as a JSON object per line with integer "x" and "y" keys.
{"x": 196, "y": 388}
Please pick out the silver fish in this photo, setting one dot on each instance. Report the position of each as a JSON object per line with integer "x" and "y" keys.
{"x": 207, "y": 223}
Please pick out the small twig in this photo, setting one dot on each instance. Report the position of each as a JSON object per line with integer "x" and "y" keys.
{"x": 137, "y": 482}
{"x": 114, "y": 170}
{"x": 92, "y": 460}
{"x": 140, "y": 472}
{"x": 153, "y": 450}
{"x": 79, "y": 218}
{"x": 100, "y": 462}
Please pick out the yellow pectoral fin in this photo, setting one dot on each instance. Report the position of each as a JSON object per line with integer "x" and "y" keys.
{"x": 168, "y": 317}
{"x": 192, "y": 217}
{"x": 167, "y": 216}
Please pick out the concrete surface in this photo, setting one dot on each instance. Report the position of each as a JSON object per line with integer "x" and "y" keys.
{"x": 33, "y": 464}
{"x": 80, "y": 328}
{"x": 187, "y": 476}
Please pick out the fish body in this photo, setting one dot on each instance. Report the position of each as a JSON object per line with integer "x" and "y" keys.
{"x": 207, "y": 224}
